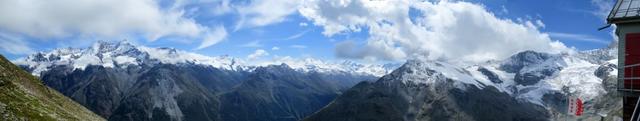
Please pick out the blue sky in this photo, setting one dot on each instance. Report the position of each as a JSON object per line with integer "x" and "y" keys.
{"x": 279, "y": 28}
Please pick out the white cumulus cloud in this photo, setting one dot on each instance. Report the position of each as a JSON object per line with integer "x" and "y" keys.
{"x": 101, "y": 18}
{"x": 441, "y": 30}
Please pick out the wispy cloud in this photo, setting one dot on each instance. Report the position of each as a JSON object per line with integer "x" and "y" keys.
{"x": 576, "y": 37}
{"x": 14, "y": 45}
{"x": 603, "y": 7}
{"x": 255, "y": 44}
{"x": 298, "y": 46}
{"x": 298, "y": 35}
{"x": 264, "y": 12}
{"x": 303, "y": 24}
{"x": 213, "y": 36}
{"x": 504, "y": 10}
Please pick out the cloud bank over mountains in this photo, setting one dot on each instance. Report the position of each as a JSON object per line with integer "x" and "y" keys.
{"x": 395, "y": 29}
{"x": 440, "y": 30}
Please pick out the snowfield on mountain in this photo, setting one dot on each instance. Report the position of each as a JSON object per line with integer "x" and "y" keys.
{"x": 526, "y": 86}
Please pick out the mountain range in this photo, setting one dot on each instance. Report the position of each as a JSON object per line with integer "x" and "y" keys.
{"x": 121, "y": 81}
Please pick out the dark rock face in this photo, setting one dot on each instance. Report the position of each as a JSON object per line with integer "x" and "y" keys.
{"x": 390, "y": 99}
{"x": 138, "y": 92}
{"x": 603, "y": 71}
{"x": 278, "y": 93}
{"x": 531, "y": 67}
{"x": 375, "y": 101}
{"x": 490, "y": 75}
{"x": 216, "y": 80}
{"x": 100, "y": 92}
{"x": 556, "y": 101}
{"x": 489, "y": 104}
{"x": 516, "y": 62}
{"x": 530, "y": 78}
{"x": 195, "y": 92}
{"x": 161, "y": 89}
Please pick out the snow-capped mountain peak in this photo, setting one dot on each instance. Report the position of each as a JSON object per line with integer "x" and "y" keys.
{"x": 528, "y": 75}
{"x": 429, "y": 72}
{"x": 120, "y": 54}
{"x": 316, "y": 65}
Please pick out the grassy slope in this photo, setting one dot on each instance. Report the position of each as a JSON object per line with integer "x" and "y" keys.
{"x": 24, "y": 97}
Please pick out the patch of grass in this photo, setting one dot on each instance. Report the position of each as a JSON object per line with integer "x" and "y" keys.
{"x": 25, "y": 97}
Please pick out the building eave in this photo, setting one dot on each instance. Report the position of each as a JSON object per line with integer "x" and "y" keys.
{"x": 634, "y": 19}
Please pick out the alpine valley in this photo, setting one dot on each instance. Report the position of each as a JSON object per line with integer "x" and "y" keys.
{"x": 122, "y": 81}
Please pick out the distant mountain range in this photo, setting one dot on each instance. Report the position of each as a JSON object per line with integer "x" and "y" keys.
{"x": 121, "y": 81}
{"x": 24, "y": 98}
{"x": 527, "y": 86}
{"x": 124, "y": 54}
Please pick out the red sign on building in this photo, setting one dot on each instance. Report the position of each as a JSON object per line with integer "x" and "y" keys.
{"x": 575, "y": 106}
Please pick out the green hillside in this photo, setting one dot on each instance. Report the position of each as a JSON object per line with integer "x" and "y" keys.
{"x": 24, "y": 97}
